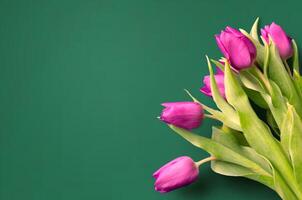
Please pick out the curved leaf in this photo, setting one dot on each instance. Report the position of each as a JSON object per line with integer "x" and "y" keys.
{"x": 221, "y": 152}
{"x": 254, "y": 30}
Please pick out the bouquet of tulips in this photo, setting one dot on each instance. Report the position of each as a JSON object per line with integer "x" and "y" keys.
{"x": 255, "y": 74}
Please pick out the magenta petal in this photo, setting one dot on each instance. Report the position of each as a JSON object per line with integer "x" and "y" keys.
{"x": 282, "y": 41}
{"x": 219, "y": 71}
{"x": 221, "y": 47}
{"x": 187, "y": 115}
{"x": 157, "y": 173}
{"x": 177, "y": 173}
{"x": 280, "y": 38}
{"x": 237, "y": 48}
{"x": 219, "y": 77}
{"x": 205, "y": 90}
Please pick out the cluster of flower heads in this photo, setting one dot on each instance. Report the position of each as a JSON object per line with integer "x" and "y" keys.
{"x": 241, "y": 53}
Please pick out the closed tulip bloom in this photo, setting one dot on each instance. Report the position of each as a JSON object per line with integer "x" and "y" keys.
{"x": 237, "y": 48}
{"x": 219, "y": 77}
{"x": 187, "y": 115}
{"x": 280, "y": 38}
{"x": 177, "y": 173}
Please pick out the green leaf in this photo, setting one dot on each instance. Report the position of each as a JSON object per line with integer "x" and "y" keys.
{"x": 256, "y": 97}
{"x": 292, "y": 141}
{"x": 276, "y": 103}
{"x": 250, "y": 81}
{"x": 218, "y": 64}
{"x": 254, "y": 30}
{"x": 230, "y": 140}
{"x": 256, "y": 132}
{"x": 266, "y": 59}
{"x": 221, "y": 152}
{"x": 278, "y": 73}
{"x": 296, "y": 58}
{"x": 286, "y": 130}
{"x": 253, "y": 87}
{"x": 231, "y": 169}
{"x": 237, "y": 134}
{"x": 283, "y": 189}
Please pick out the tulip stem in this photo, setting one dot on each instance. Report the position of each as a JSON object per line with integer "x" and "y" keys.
{"x": 205, "y": 160}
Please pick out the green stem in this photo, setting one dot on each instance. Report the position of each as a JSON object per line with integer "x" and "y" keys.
{"x": 205, "y": 160}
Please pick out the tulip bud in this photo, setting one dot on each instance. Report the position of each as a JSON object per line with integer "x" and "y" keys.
{"x": 177, "y": 173}
{"x": 237, "y": 48}
{"x": 187, "y": 115}
{"x": 280, "y": 38}
{"x": 219, "y": 77}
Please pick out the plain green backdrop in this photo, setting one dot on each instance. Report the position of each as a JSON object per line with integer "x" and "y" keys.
{"x": 81, "y": 86}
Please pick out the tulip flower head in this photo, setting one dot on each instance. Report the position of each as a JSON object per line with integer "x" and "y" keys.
{"x": 219, "y": 77}
{"x": 187, "y": 115}
{"x": 237, "y": 48}
{"x": 177, "y": 173}
{"x": 280, "y": 38}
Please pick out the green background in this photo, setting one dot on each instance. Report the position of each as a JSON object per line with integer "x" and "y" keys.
{"x": 81, "y": 86}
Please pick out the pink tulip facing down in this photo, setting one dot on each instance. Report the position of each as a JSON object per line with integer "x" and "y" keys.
{"x": 177, "y": 173}
{"x": 219, "y": 77}
{"x": 237, "y": 48}
{"x": 186, "y": 115}
{"x": 280, "y": 38}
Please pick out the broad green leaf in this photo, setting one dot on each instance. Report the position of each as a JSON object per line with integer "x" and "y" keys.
{"x": 229, "y": 140}
{"x": 221, "y": 152}
{"x": 256, "y": 97}
{"x": 287, "y": 129}
{"x": 255, "y": 131}
{"x": 253, "y": 87}
{"x": 231, "y": 169}
{"x": 251, "y": 154}
{"x": 292, "y": 141}
{"x": 254, "y": 30}
{"x": 250, "y": 81}
{"x": 282, "y": 188}
{"x": 278, "y": 73}
{"x": 237, "y": 134}
{"x": 276, "y": 103}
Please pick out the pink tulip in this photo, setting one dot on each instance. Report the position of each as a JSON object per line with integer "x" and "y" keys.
{"x": 280, "y": 38}
{"x": 219, "y": 77}
{"x": 237, "y": 48}
{"x": 187, "y": 115}
{"x": 177, "y": 173}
